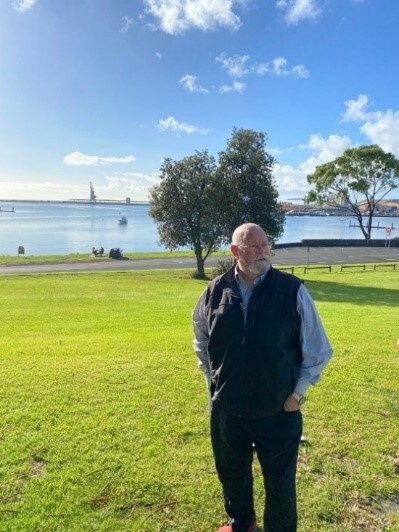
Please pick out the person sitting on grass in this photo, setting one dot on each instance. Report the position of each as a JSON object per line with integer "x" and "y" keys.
{"x": 97, "y": 252}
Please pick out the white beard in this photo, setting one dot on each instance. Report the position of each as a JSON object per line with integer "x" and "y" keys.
{"x": 259, "y": 267}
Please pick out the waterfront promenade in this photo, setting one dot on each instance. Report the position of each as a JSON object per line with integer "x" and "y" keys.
{"x": 61, "y": 229}
{"x": 289, "y": 256}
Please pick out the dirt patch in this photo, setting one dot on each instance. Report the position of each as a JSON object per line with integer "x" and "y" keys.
{"x": 37, "y": 467}
{"x": 383, "y": 505}
{"x": 373, "y": 514}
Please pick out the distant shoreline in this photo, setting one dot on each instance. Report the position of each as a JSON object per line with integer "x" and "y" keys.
{"x": 80, "y": 202}
{"x": 135, "y": 203}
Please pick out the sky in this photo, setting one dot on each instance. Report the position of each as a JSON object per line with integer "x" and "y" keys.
{"x": 103, "y": 91}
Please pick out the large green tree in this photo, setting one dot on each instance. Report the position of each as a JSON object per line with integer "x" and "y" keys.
{"x": 184, "y": 206}
{"x": 360, "y": 177}
{"x": 198, "y": 204}
{"x": 250, "y": 194}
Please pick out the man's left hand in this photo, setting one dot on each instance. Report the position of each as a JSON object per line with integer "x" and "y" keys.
{"x": 291, "y": 404}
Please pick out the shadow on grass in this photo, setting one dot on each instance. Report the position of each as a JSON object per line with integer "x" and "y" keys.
{"x": 358, "y": 295}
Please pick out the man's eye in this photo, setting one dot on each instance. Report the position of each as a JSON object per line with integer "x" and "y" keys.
{"x": 261, "y": 246}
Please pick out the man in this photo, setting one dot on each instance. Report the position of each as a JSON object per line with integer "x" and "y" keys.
{"x": 260, "y": 344}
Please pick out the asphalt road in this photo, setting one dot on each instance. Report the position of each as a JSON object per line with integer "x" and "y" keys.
{"x": 282, "y": 257}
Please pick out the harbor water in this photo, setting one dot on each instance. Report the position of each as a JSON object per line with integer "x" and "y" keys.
{"x": 46, "y": 228}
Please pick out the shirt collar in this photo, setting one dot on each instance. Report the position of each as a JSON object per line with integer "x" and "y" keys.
{"x": 257, "y": 280}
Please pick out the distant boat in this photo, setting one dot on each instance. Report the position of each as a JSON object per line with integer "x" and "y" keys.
{"x": 123, "y": 221}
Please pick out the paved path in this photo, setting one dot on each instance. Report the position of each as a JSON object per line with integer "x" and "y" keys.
{"x": 283, "y": 257}
{"x": 334, "y": 255}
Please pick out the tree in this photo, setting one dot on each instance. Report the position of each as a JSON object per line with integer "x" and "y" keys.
{"x": 363, "y": 175}
{"x": 250, "y": 195}
{"x": 199, "y": 204}
{"x": 185, "y": 206}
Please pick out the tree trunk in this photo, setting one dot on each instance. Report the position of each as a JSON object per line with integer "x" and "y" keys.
{"x": 366, "y": 231}
{"x": 200, "y": 264}
{"x": 369, "y": 225}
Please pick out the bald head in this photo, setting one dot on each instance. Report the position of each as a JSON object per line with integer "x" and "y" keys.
{"x": 244, "y": 231}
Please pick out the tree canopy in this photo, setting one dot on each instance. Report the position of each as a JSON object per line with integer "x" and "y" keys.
{"x": 198, "y": 203}
{"x": 361, "y": 176}
{"x": 250, "y": 194}
{"x": 184, "y": 206}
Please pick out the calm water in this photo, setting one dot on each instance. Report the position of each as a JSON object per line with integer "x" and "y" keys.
{"x": 60, "y": 229}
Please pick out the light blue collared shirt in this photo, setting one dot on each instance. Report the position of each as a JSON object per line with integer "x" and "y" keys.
{"x": 246, "y": 289}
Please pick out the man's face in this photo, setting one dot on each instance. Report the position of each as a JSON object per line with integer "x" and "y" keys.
{"x": 252, "y": 253}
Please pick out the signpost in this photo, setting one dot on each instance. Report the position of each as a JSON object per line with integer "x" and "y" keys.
{"x": 388, "y": 231}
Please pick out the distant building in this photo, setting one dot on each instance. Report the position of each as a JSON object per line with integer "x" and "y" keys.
{"x": 383, "y": 206}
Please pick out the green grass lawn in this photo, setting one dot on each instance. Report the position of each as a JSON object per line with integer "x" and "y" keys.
{"x": 73, "y": 257}
{"x": 103, "y": 412}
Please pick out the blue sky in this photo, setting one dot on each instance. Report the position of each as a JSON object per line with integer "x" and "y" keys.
{"x": 104, "y": 90}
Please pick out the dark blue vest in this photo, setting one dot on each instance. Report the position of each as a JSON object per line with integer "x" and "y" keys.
{"x": 254, "y": 366}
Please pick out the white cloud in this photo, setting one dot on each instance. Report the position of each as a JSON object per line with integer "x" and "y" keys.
{"x": 126, "y": 23}
{"x": 132, "y": 182}
{"x": 324, "y": 150}
{"x": 237, "y": 66}
{"x": 234, "y": 66}
{"x": 172, "y": 124}
{"x": 189, "y": 82}
{"x": 77, "y": 158}
{"x": 237, "y": 86}
{"x": 355, "y": 109}
{"x": 298, "y": 10}
{"x": 278, "y": 67}
{"x": 23, "y": 5}
{"x": 380, "y": 127}
{"x": 292, "y": 180}
{"x": 178, "y": 16}
{"x": 384, "y": 131}
{"x": 261, "y": 68}
{"x": 275, "y": 151}
{"x": 299, "y": 71}
{"x": 328, "y": 148}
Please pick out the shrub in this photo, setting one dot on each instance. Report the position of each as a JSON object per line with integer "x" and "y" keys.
{"x": 222, "y": 267}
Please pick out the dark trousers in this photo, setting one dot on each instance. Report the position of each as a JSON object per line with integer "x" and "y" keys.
{"x": 276, "y": 440}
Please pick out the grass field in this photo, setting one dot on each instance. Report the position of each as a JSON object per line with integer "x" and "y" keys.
{"x": 89, "y": 257}
{"x": 103, "y": 412}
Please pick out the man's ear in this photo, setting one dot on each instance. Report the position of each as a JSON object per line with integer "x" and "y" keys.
{"x": 234, "y": 250}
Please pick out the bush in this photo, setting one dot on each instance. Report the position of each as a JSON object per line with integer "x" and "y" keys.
{"x": 222, "y": 267}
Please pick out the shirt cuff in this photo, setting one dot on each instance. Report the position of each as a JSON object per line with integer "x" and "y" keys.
{"x": 302, "y": 386}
